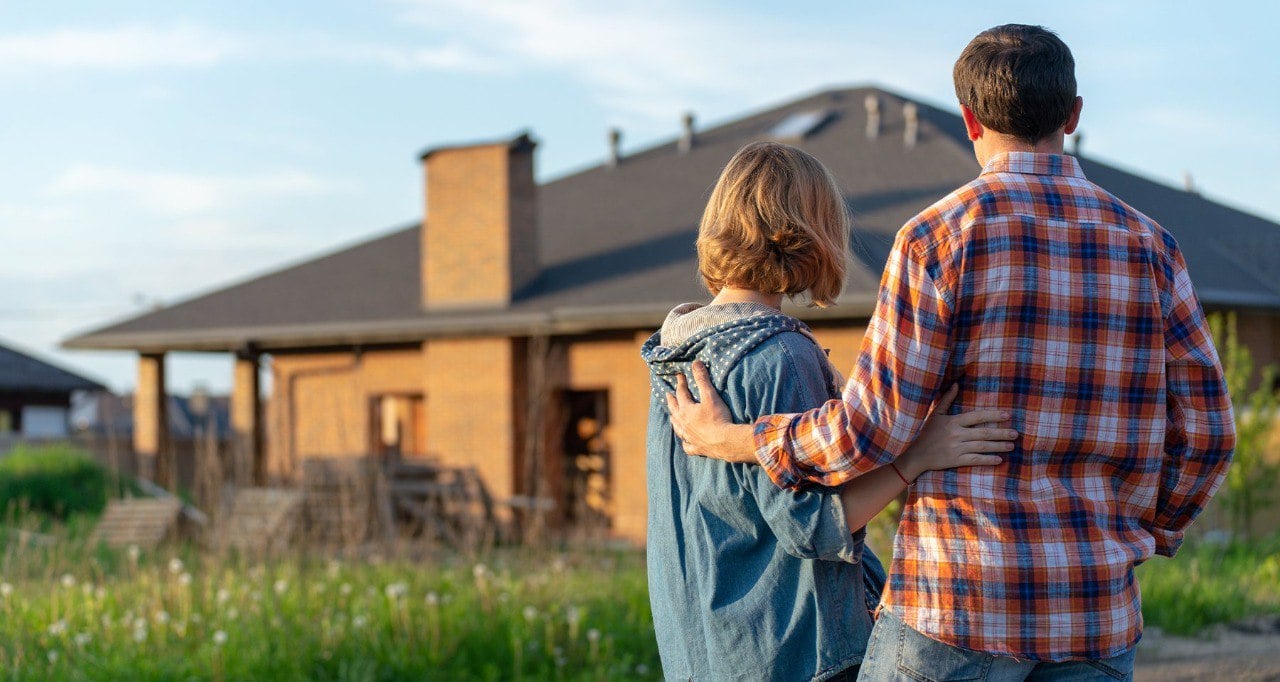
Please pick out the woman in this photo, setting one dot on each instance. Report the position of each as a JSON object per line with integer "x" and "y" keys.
{"x": 746, "y": 580}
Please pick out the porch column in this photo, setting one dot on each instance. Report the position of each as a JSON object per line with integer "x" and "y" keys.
{"x": 151, "y": 418}
{"x": 246, "y": 416}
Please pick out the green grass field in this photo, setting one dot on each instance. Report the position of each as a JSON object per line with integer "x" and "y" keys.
{"x": 75, "y": 614}
{"x": 69, "y": 611}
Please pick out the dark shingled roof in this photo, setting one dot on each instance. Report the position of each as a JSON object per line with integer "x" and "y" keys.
{"x": 21, "y": 373}
{"x": 616, "y": 244}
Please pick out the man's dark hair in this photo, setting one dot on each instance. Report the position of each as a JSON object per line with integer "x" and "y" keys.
{"x": 1018, "y": 80}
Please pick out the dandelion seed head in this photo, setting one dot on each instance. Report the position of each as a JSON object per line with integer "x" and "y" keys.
{"x": 185, "y": 579}
{"x": 223, "y": 596}
{"x": 433, "y": 599}
{"x": 345, "y": 589}
{"x": 53, "y": 656}
{"x": 593, "y": 635}
{"x": 219, "y": 638}
{"x": 68, "y": 580}
{"x": 281, "y": 586}
{"x": 134, "y": 552}
{"x": 83, "y": 639}
{"x": 6, "y": 590}
{"x": 175, "y": 565}
{"x": 530, "y": 613}
{"x": 397, "y": 590}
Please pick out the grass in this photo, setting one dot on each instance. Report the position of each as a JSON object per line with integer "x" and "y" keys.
{"x": 72, "y": 611}
{"x": 122, "y": 615}
{"x": 1211, "y": 583}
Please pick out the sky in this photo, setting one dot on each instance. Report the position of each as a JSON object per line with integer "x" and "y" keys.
{"x": 155, "y": 151}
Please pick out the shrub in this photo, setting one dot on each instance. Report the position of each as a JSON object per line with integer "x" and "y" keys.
{"x": 59, "y": 481}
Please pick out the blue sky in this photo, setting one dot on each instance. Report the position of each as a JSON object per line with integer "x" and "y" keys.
{"x": 158, "y": 150}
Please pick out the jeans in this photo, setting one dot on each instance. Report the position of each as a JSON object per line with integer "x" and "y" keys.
{"x": 898, "y": 652}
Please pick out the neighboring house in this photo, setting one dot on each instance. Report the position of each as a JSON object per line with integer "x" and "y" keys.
{"x": 503, "y": 331}
{"x": 35, "y": 397}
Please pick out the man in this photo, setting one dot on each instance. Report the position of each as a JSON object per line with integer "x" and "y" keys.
{"x": 1046, "y": 297}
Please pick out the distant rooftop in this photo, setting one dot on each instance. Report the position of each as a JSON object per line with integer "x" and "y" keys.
{"x": 23, "y": 373}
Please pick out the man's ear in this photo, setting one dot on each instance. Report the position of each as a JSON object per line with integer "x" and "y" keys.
{"x": 1074, "y": 119}
{"x": 972, "y": 125}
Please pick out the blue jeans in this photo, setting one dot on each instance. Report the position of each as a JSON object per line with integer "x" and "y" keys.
{"x": 898, "y": 652}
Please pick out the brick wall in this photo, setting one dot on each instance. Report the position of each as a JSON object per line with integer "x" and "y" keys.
{"x": 615, "y": 365}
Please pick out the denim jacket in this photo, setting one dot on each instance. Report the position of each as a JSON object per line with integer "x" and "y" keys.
{"x": 748, "y": 581}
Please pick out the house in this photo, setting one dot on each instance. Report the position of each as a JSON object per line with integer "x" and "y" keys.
{"x": 501, "y": 332}
{"x": 35, "y": 397}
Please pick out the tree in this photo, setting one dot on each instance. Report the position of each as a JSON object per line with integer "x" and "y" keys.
{"x": 1250, "y": 484}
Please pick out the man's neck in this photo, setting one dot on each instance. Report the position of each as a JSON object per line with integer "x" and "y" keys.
{"x": 738, "y": 295}
{"x": 993, "y": 143}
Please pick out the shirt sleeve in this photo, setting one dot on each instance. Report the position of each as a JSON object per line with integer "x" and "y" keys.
{"x": 810, "y": 523}
{"x": 1200, "y": 433}
{"x": 888, "y": 395}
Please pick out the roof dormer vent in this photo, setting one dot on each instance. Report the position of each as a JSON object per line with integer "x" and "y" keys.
{"x": 873, "y": 116}
{"x": 911, "y": 125}
{"x": 615, "y": 147}
{"x": 686, "y": 134}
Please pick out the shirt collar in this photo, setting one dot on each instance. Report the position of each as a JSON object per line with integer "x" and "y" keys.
{"x": 1034, "y": 164}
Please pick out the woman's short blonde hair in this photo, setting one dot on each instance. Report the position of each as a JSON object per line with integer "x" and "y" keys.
{"x": 776, "y": 223}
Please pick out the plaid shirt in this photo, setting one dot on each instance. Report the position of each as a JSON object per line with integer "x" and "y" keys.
{"x": 1047, "y": 297}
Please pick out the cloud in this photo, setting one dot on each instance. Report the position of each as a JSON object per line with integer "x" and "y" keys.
{"x": 650, "y": 60}
{"x": 119, "y": 48}
{"x": 176, "y": 194}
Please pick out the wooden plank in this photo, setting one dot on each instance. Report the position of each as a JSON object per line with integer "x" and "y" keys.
{"x": 143, "y": 522}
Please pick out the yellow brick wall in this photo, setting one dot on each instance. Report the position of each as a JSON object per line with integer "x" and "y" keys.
{"x": 615, "y": 365}
{"x": 320, "y": 406}
{"x": 471, "y": 421}
{"x": 479, "y": 243}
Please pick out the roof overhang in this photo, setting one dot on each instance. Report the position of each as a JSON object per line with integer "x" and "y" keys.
{"x": 554, "y": 322}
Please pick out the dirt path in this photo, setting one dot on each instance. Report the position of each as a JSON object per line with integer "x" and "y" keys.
{"x": 1246, "y": 652}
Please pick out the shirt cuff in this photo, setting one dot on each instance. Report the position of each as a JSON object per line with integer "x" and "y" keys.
{"x": 838, "y": 542}
{"x": 771, "y": 439}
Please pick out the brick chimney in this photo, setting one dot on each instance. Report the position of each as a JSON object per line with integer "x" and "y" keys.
{"x": 479, "y": 236}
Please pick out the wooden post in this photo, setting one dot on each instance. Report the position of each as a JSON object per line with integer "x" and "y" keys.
{"x": 151, "y": 419}
{"x": 246, "y": 420}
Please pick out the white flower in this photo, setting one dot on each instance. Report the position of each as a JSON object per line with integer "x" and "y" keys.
{"x": 572, "y": 615}
{"x": 58, "y": 628}
{"x": 68, "y": 580}
{"x": 83, "y": 639}
{"x": 134, "y": 552}
{"x": 345, "y": 589}
{"x": 224, "y": 595}
{"x": 593, "y": 635}
{"x": 233, "y": 613}
{"x": 175, "y": 565}
{"x": 479, "y": 571}
{"x": 359, "y": 621}
{"x": 86, "y": 589}
{"x": 162, "y": 617}
{"x": 100, "y": 593}
{"x": 197, "y": 618}
{"x": 140, "y": 623}
{"x": 219, "y": 638}
{"x": 53, "y": 656}
{"x": 530, "y": 614}
{"x": 397, "y": 590}
{"x": 6, "y": 590}
{"x": 281, "y": 586}
{"x": 140, "y": 635}
{"x": 433, "y": 599}
{"x": 185, "y": 579}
